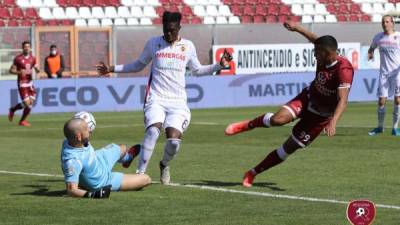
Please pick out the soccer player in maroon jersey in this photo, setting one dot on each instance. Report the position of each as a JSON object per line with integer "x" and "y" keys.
{"x": 22, "y": 67}
{"x": 318, "y": 106}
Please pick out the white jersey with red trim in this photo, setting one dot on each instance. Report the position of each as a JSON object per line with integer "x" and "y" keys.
{"x": 167, "y": 78}
{"x": 389, "y": 50}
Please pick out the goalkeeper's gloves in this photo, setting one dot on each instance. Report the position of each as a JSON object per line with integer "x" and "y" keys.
{"x": 103, "y": 192}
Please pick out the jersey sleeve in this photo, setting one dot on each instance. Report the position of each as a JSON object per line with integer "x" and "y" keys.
{"x": 193, "y": 62}
{"x": 15, "y": 61}
{"x": 147, "y": 53}
{"x": 346, "y": 74}
{"x": 71, "y": 169}
{"x": 374, "y": 43}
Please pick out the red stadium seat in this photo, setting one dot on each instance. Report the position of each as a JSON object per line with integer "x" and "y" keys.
{"x": 236, "y": 10}
{"x": 31, "y": 13}
{"x": 238, "y": 2}
{"x": 285, "y": 10}
{"x": 173, "y": 8}
{"x": 246, "y": 19}
{"x": 26, "y": 23}
{"x": 295, "y": 18}
{"x": 248, "y": 11}
{"x": 63, "y": 3}
{"x": 343, "y": 9}
{"x": 17, "y": 13}
{"x": 176, "y": 2}
{"x": 66, "y": 23}
{"x": 9, "y": 3}
{"x": 271, "y": 19}
{"x": 114, "y": 3}
{"x": 341, "y": 18}
{"x": 196, "y": 20}
{"x": 102, "y": 3}
{"x": 2, "y": 24}
{"x": 331, "y": 8}
{"x": 187, "y": 11}
{"x": 13, "y": 23}
{"x": 354, "y": 18}
{"x": 273, "y": 10}
{"x": 355, "y": 9}
{"x": 88, "y": 3}
{"x": 259, "y": 19}
{"x": 184, "y": 20}
{"x": 39, "y": 22}
{"x": 261, "y": 11}
{"x": 160, "y": 11}
{"x": 282, "y": 18}
{"x": 251, "y": 2}
{"x": 365, "y": 18}
{"x": 75, "y": 3}
{"x": 4, "y": 13}
{"x": 158, "y": 20}
{"x": 52, "y": 22}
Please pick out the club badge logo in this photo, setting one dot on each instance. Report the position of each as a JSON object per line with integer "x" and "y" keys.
{"x": 361, "y": 212}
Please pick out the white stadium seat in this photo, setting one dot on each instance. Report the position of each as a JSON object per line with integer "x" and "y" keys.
{"x": 110, "y": 12}
{"x": 224, "y": 10}
{"x": 214, "y": 2}
{"x": 145, "y": 21}
{"x": 58, "y": 13}
{"x": 80, "y": 23}
{"x": 330, "y": 19}
{"x": 84, "y": 12}
{"x": 123, "y": 12}
{"x": 321, "y": 9}
{"x": 212, "y": 10}
{"x": 127, "y": 2}
{"x": 209, "y": 20}
{"x": 202, "y": 2}
{"x": 378, "y": 8}
{"x": 199, "y": 11}
{"x": 119, "y": 22}
{"x": 389, "y": 7}
{"x": 132, "y": 21}
{"x": 153, "y": 3}
{"x": 308, "y": 9}
{"x": 190, "y": 2}
{"x": 221, "y": 20}
{"x": 37, "y": 3}
{"x": 97, "y": 12}
{"x": 106, "y": 22}
{"x": 297, "y": 9}
{"x": 376, "y": 18}
{"x": 136, "y": 11}
{"x": 367, "y": 8}
{"x": 319, "y": 19}
{"x": 72, "y": 13}
{"x": 50, "y": 3}
{"x": 398, "y": 7}
{"x": 139, "y": 2}
{"x": 234, "y": 20}
{"x": 93, "y": 23}
{"x": 306, "y": 19}
{"x": 149, "y": 11}
{"x": 45, "y": 13}
{"x": 23, "y": 3}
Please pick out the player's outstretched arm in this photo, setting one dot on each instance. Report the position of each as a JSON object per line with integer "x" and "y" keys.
{"x": 295, "y": 27}
{"x": 133, "y": 67}
{"x": 74, "y": 191}
{"x": 198, "y": 69}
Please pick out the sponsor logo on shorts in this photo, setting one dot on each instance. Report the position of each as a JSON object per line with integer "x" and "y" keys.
{"x": 361, "y": 212}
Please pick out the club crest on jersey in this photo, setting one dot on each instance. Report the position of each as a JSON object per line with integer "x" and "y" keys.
{"x": 361, "y": 212}
{"x": 321, "y": 78}
{"x": 183, "y": 48}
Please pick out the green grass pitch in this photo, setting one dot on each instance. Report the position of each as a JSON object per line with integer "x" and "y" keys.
{"x": 349, "y": 166}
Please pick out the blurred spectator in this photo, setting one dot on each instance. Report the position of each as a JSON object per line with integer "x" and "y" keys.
{"x": 54, "y": 63}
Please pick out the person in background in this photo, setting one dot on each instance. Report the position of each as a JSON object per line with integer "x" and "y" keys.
{"x": 54, "y": 63}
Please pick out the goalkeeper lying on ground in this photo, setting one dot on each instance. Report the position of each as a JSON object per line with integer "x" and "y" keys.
{"x": 88, "y": 173}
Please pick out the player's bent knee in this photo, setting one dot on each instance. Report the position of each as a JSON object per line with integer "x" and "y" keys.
{"x": 123, "y": 149}
{"x": 279, "y": 120}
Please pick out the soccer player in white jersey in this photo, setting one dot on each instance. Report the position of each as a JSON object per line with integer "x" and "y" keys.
{"x": 165, "y": 102}
{"x": 388, "y": 43}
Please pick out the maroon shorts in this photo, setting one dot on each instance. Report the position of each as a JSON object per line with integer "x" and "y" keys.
{"x": 310, "y": 124}
{"x": 27, "y": 92}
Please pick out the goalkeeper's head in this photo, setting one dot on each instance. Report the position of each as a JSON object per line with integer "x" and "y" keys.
{"x": 77, "y": 133}
{"x": 171, "y": 26}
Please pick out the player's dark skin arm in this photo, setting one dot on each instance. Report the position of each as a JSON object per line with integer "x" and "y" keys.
{"x": 291, "y": 26}
{"x": 343, "y": 94}
{"x": 13, "y": 70}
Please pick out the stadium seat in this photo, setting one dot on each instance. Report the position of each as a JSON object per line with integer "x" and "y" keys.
{"x": 75, "y": 3}
{"x": 248, "y": 10}
{"x": 273, "y": 10}
{"x": 9, "y": 4}
{"x": 26, "y": 23}
{"x": 97, "y": 12}
{"x": 378, "y": 8}
{"x": 261, "y": 11}
{"x": 93, "y": 23}
{"x": 132, "y": 21}
{"x": 355, "y": 9}
{"x": 308, "y": 9}
{"x": 236, "y": 10}
{"x": 17, "y": 13}
{"x": 106, "y": 22}
{"x": 39, "y": 22}
{"x": 271, "y": 19}
{"x": 319, "y": 19}
{"x": 123, "y": 12}
{"x": 150, "y": 12}
{"x": 246, "y": 19}
{"x": 24, "y": 3}
{"x": 209, "y": 20}
{"x": 284, "y": 10}
{"x": 212, "y": 10}
{"x": 45, "y": 13}
{"x": 58, "y": 13}
{"x": 136, "y": 11}
{"x": 330, "y": 19}
{"x": 320, "y": 9}
{"x": 186, "y": 11}
{"x": 196, "y": 20}
{"x": 306, "y": 19}
{"x": 158, "y": 20}
{"x": 153, "y": 2}
{"x": 88, "y": 3}
{"x": 50, "y": 3}
{"x": 127, "y": 2}
{"x": 221, "y": 20}
{"x": 341, "y": 18}
{"x": 365, "y": 18}
{"x": 36, "y": 3}
{"x": 259, "y": 19}
{"x": 367, "y": 8}
{"x": 4, "y": 13}
{"x": 31, "y": 13}
{"x": 145, "y": 21}
{"x": 354, "y": 18}
{"x": 71, "y": 13}
{"x": 376, "y": 18}
{"x": 214, "y": 2}
{"x": 111, "y": 12}
{"x": 84, "y": 12}
{"x": 13, "y": 23}
{"x": 282, "y": 18}
{"x": 297, "y": 9}
{"x": 199, "y": 11}
{"x": 389, "y": 7}
{"x": 140, "y": 2}
{"x": 2, "y": 24}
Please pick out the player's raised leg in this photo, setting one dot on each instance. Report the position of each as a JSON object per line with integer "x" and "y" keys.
{"x": 282, "y": 117}
{"x": 128, "y": 155}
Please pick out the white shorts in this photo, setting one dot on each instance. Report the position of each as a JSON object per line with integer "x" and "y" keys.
{"x": 389, "y": 85}
{"x": 170, "y": 114}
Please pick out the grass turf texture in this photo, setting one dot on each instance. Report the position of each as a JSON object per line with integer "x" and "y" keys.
{"x": 349, "y": 166}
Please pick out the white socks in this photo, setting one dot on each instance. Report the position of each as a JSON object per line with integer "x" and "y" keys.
{"x": 149, "y": 142}
{"x": 171, "y": 148}
{"x": 396, "y": 115}
{"x": 267, "y": 119}
{"x": 381, "y": 116}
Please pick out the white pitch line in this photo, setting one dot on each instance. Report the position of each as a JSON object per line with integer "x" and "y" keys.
{"x": 211, "y": 188}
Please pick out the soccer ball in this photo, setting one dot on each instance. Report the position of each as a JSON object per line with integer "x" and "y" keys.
{"x": 360, "y": 212}
{"x": 88, "y": 118}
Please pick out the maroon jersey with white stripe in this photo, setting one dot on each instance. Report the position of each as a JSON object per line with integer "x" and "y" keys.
{"x": 25, "y": 63}
{"x": 323, "y": 89}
